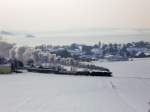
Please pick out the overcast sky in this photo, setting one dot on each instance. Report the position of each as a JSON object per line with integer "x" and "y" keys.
{"x": 74, "y": 15}
{"x": 41, "y": 15}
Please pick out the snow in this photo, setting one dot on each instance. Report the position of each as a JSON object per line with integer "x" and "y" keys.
{"x": 35, "y": 92}
{"x": 138, "y": 68}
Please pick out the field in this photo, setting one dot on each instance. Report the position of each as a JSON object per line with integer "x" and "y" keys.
{"x": 127, "y": 91}
{"x": 5, "y": 69}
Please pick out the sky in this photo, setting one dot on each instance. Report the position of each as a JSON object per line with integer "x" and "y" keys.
{"x": 76, "y": 18}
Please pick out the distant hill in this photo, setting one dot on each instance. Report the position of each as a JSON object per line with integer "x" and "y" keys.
{"x": 6, "y": 33}
{"x": 20, "y": 34}
{"x": 30, "y": 36}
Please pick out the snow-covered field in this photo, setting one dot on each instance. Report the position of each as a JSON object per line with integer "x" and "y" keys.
{"x": 139, "y": 68}
{"x": 127, "y": 91}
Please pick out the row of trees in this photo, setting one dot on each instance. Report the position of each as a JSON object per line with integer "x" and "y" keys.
{"x": 104, "y": 49}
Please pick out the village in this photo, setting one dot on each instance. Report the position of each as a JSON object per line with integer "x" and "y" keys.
{"x": 71, "y": 57}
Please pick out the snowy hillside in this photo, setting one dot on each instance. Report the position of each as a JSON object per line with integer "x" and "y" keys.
{"x": 33, "y": 92}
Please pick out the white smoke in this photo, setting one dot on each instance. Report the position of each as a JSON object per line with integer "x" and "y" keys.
{"x": 4, "y": 48}
{"x": 27, "y": 55}
{"x": 12, "y": 53}
{"x": 22, "y": 54}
